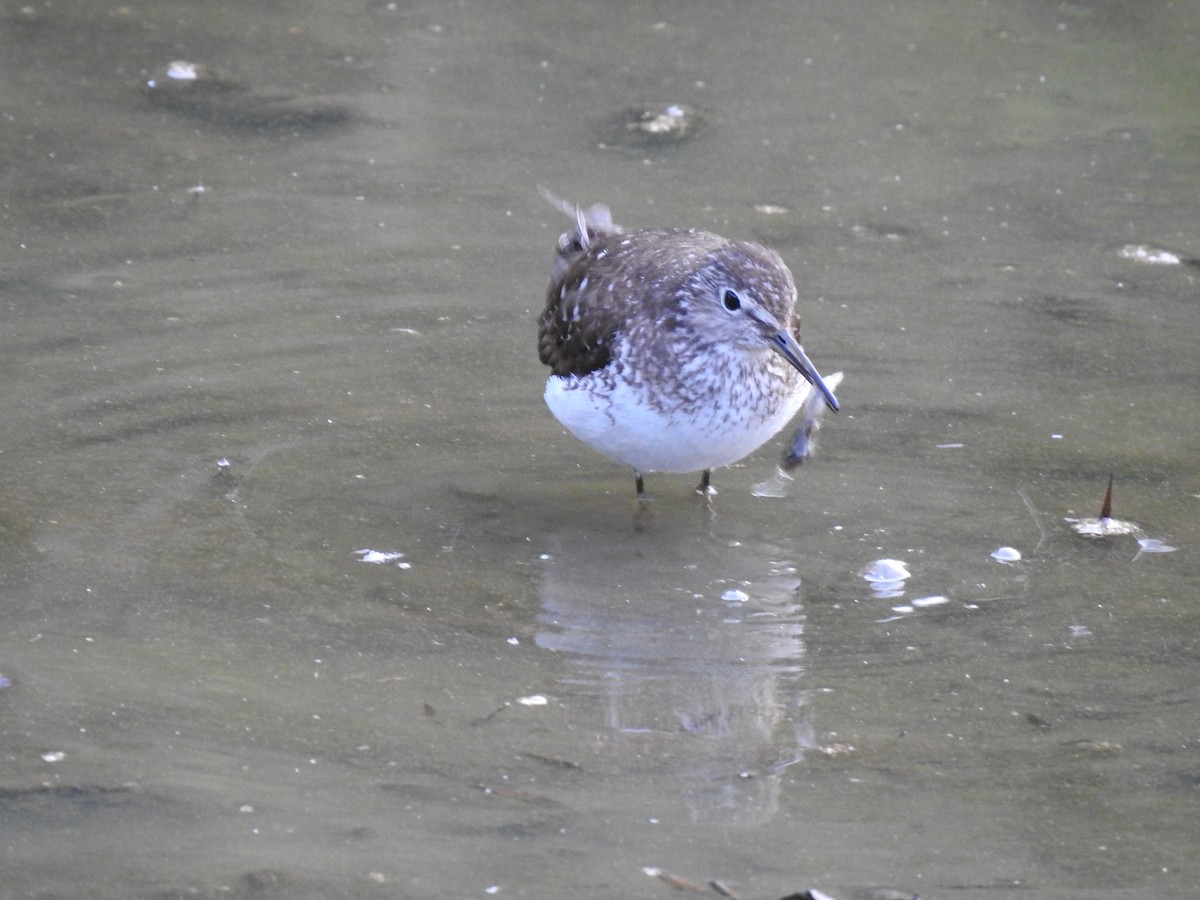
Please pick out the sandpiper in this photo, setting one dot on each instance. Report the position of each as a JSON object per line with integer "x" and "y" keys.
{"x": 671, "y": 350}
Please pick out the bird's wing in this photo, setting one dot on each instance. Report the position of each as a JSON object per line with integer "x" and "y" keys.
{"x": 575, "y": 333}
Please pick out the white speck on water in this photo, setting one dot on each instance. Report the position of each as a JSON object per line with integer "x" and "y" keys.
{"x": 1153, "y": 545}
{"x": 1151, "y": 256}
{"x": 885, "y": 571}
{"x": 733, "y": 595}
{"x": 54, "y": 756}
{"x": 957, "y": 446}
{"x": 1080, "y": 631}
{"x": 182, "y": 71}
{"x": 886, "y": 578}
{"x": 378, "y": 557}
{"x": 923, "y": 602}
{"x": 514, "y": 641}
{"x": 533, "y": 700}
{"x": 1006, "y": 554}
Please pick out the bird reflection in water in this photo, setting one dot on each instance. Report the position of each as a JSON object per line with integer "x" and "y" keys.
{"x": 686, "y": 652}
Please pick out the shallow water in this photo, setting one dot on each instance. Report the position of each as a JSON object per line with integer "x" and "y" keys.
{"x": 210, "y": 693}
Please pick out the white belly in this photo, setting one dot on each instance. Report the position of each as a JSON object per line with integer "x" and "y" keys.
{"x": 619, "y": 423}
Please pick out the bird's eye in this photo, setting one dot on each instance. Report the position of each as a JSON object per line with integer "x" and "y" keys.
{"x": 731, "y": 300}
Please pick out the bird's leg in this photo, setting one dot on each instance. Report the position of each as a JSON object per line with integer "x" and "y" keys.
{"x": 644, "y": 516}
{"x": 705, "y": 491}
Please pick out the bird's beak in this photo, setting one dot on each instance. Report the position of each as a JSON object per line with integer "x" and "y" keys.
{"x": 787, "y": 347}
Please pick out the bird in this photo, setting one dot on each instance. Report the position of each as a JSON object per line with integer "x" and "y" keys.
{"x": 672, "y": 350}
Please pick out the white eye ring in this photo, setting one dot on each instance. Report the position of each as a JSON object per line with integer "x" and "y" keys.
{"x": 731, "y": 300}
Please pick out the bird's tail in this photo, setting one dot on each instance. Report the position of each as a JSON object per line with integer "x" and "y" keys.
{"x": 591, "y": 223}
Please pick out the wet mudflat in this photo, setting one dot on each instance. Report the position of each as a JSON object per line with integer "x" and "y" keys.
{"x": 307, "y": 594}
